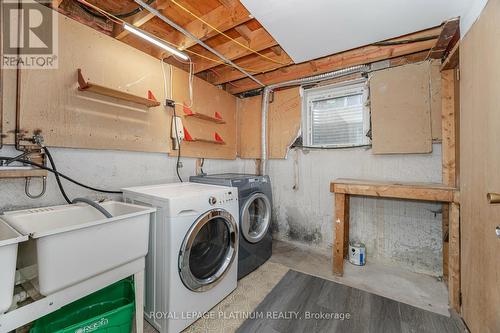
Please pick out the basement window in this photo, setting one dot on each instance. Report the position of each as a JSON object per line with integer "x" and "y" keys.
{"x": 336, "y": 116}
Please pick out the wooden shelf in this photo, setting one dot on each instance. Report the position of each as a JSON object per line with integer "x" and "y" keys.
{"x": 110, "y": 92}
{"x": 400, "y": 190}
{"x": 206, "y": 117}
{"x": 22, "y": 173}
{"x": 216, "y": 140}
{"x": 207, "y": 141}
{"x": 217, "y": 118}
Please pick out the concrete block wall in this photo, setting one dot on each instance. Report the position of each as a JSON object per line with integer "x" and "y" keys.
{"x": 106, "y": 169}
{"x": 396, "y": 232}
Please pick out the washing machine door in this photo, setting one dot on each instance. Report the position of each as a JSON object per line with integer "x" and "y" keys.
{"x": 255, "y": 217}
{"x": 208, "y": 250}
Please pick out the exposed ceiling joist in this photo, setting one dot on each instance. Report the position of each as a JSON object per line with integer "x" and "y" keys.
{"x": 223, "y": 74}
{"x": 138, "y": 19}
{"x": 223, "y": 18}
{"x": 259, "y": 40}
{"x": 358, "y": 56}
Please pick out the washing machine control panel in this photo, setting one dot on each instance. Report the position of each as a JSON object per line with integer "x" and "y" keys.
{"x": 223, "y": 198}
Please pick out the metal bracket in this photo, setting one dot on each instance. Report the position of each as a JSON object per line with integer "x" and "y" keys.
{"x": 27, "y": 188}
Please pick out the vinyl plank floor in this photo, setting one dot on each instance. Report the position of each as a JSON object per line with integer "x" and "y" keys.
{"x": 312, "y": 304}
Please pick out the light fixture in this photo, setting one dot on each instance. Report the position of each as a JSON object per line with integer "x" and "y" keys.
{"x": 154, "y": 41}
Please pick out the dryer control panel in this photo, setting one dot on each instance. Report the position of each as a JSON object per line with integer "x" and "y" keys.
{"x": 223, "y": 198}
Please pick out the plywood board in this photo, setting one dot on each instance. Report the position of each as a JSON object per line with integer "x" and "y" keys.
{"x": 207, "y": 99}
{"x": 51, "y": 102}
{"x": 400, "y": 108}
{"x": 80, "y": 119}
{"x": 284, "y": 119}
{"x": 249, "y": 127}
{"x": 479, "y": 166}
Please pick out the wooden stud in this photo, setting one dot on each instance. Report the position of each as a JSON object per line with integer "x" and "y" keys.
{"x": 23, "y": 173}
{"x": 199, "y": 166}
{"x": 452, "y": 59}
{"x": 454, "y": 258}
{"x": 341, "y": 222}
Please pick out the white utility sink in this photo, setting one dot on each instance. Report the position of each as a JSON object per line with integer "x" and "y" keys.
{"x": 76, "y": 242}
{"x": 9, "y": 238}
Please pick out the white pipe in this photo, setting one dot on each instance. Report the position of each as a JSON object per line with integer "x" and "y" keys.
{"x": 311, "y": 79}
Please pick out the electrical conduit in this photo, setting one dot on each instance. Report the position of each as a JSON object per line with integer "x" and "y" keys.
{"x": 311, "y": 79}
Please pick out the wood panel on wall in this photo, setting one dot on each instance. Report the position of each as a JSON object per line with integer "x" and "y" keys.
{"x": 479, "y": 171}
{"x": 401, "y": 110}
{"x": 284, "y": 119}
{"x": 67, "y": 117}
{"x": 207, "y": 99}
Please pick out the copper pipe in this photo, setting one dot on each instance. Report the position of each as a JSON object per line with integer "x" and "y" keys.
{"x": 493, "y": 198}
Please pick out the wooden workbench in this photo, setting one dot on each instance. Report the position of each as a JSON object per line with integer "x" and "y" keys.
{"x": 344, "y": 188}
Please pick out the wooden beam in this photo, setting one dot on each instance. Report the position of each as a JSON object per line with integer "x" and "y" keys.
{"x": 138, "y": 19}
{"x": 410, "y": 191}
{"x": 359, "y": 56}
{"x": 222, "y": 74}
{"x": 454, "y": 258}
{"x": 245, "y": 32}
{"x": 56, "y": 3}
{"x": 341, "y": 223}
{"x": 223, "y": 18}
{"x": 449, "y": 129}
{"x": 451, "y": 29}
{"x": 453, "y": 58}
{"x": 260, "y": 40}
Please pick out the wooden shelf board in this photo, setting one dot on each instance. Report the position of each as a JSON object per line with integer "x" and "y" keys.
{"x": 23, "y": 173}
{"x": 110, "y": 92}
{"x": 411, "y": 191}
{"x": 206, "y": 141}
{"x": 206, "y": 117}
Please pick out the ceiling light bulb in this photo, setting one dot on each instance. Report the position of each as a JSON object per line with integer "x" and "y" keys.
{"x": 154, "y": 41}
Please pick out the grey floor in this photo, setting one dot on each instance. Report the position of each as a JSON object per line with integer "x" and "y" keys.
{"x": 300, "y": 295}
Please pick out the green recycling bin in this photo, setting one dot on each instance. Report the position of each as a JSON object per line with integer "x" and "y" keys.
{"x": 109, "y": 310}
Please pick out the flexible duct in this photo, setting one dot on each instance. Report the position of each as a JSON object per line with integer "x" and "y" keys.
{"x": 95, "y": 205}
{"x": 310, "y": 79}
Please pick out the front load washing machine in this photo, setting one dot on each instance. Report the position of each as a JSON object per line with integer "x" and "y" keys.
{"x": 255, "y": 197}
{"x": 191, "y": 264}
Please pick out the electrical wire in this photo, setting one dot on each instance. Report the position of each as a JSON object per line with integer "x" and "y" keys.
{"x": 169, "y": 96}
{"x": 61, "y": 188}
{"x": 225, "y": 35}
{"x": 119, "y": 21}
{"x": 406, "y": 41}
{"x": 40, "y": 166}
{"x": 120, "y": 15}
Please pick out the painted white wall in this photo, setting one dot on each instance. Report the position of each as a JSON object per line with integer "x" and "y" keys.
{"x": 300, "y": 27}
{"x": 106, "y": 169}
{"x": 471, "y": 14}
{"x": 402, "y": 233}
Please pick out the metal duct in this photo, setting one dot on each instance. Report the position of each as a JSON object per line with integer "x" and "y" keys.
{"x": 310, "y": 79}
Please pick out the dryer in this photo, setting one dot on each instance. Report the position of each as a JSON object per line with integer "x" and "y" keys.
{"x": 192, "y": 261}
{"x": 255, "y": 199}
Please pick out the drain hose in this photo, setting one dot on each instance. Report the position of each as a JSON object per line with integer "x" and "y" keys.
{"x": 95, "y": 205}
